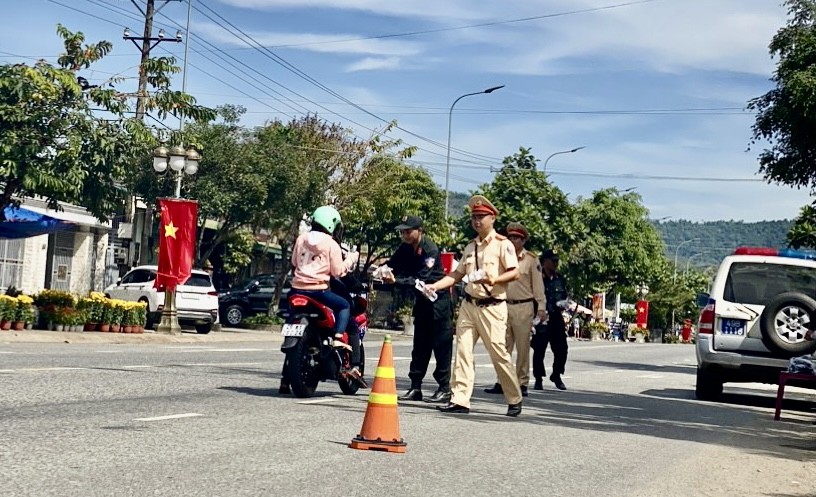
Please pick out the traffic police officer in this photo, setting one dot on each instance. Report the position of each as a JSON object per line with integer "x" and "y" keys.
{"x": 525, "y": 300}
{"x": 418, "y": 259}
{"x": 554, "y": 332}
{"x": 490, "y": 263}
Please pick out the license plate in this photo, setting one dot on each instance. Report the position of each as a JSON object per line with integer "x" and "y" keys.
{"x": 733, "y": 327}
{"x": 293, "y": 330}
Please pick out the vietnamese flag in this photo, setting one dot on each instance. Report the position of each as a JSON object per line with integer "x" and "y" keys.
{"x": 177, "y": 237}
{"x": 642, "y": 316}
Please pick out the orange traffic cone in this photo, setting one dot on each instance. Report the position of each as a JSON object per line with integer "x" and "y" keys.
{"x": 381, "y": 424}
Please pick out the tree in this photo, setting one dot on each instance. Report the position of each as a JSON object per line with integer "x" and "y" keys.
{"x": 619, "y": 247}
{"x": 230, "y": 184}
{"x": 803, "y": 231}
{"x": 53, "y": 144}
{"x": 386, "y": 190}
{"x": 786, "y": 116}
{"x": 523, "y": 194}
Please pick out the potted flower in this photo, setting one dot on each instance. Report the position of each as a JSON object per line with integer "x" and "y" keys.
{"x": 24, "y": 312}
{"x": 105, "y": 315}
{"x": 641, "y": 334}
{"x": 595, "y": 330}
{"x": 7, "y": 310}
{"x": 139, "y": 316}
{"x": 405, "y": 314}
{"x": 116, "y": 313}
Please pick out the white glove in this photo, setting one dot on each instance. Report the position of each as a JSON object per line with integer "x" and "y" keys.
{"x": 426, "y": 291}
{"x": 477, "y": 276}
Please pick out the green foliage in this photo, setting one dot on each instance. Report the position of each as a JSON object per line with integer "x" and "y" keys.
{"x": 618, "y": 248}
{"x": 262, "y": 319}
{"x": 523, "y": 194}
{"x": 803, "y": 232}
{"x": 53, "y": 144}
{"x": 385, "y": 190}
{"x": 713, "y": 240}
{"x": 785, "y": 115}
{"x": 238, "y": 251}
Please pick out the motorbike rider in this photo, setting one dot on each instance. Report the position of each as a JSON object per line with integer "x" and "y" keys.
{"x": 316, "y": 258}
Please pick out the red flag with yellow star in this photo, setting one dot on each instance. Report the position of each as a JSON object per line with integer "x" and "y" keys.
{"x": 177, "y": 237}
{"x": 642, "y": 316}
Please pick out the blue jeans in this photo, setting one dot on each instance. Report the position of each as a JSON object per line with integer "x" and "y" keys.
{"x": 339, "y": 305}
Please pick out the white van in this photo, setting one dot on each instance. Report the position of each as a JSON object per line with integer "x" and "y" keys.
{"x": 758, "y": 314}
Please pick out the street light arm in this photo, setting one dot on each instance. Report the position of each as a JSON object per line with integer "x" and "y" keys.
{"x": 450, "y": 122}
{"x": 559, "y": 153}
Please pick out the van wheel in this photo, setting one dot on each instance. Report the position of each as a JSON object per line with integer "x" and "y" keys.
{"x": 785, "y": 321}
{"x": 709, "y": 385}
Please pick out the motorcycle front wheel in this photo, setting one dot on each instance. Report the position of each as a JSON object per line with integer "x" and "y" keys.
{"x": 347, "y": 386}
{"x": 304, "y": 368}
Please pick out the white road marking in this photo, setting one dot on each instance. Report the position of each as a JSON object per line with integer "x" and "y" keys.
{"x": 400, "y": 358}
{"x": 37, "y": 370}
{"x": 172, "y": 416}
{"x": 199, "y": 364}
{"x": 140, "y": 366}
{"x": 238, "y": 350}
{"x": 652, "y": 376}
{"x": 7, "y": 352}
{"x": 317, "y": 401}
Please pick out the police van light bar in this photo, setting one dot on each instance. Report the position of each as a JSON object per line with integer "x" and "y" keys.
{"x": 773, "y": 252}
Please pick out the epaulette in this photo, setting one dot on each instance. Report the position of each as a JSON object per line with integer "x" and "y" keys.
{"x": 500, "y": 237}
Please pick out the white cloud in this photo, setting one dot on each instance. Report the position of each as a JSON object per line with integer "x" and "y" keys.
{"x": 374, "y": 64}
{"x": 314, "y": 42}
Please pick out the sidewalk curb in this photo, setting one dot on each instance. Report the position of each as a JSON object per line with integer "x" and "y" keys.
{"x": 225, "y": 335}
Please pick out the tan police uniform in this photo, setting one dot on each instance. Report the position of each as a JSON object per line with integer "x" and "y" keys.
{"x": 483, "y": 315}
{"x": 524, "y": 295}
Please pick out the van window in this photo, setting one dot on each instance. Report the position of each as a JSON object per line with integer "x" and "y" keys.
{"x": 202, "y": 280}
{"x": 757, "y": 283}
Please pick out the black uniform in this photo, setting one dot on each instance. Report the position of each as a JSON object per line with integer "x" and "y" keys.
{"x": 432, "y": 320}
{"x": 554, "y": 333}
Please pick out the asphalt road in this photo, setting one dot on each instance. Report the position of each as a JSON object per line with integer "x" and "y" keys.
{"x": 204, "y": 419}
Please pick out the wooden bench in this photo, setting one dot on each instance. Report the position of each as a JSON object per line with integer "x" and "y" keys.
{"x": 785, "y": 377}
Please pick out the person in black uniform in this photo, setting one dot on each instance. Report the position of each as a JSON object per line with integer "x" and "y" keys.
{"x": 554, "y": 331}
{"x": 418, "y": 259}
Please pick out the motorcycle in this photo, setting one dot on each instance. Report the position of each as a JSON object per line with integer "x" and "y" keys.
{"x": 308, "y": 341}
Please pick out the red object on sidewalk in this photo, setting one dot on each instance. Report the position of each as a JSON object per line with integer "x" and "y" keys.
{"x": 784, "y": 377}
{"x": 686, "y": 331}
{"x": 177, "y": 237}
{"x": 642, "y": 316}
{"x": 447, "y": 261}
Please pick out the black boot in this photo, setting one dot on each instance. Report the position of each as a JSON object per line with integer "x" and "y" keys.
{"x": 496, "y": 388}
{"x": 539, "y": 384}
{"x": 284, "y": 389}
{"x": 412, "y": 394}
{"x": 441, "y": 395}
{"x": 514, "y": 410}
{"x": 556, "y": 379}
{"x": 452, "y": 408}
{"x": 524, "y": 391}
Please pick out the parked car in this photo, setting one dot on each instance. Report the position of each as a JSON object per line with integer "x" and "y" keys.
{"x": 757, "y": 316}
{"x": 196, "y": 298}
{"x": 250, "y": 297}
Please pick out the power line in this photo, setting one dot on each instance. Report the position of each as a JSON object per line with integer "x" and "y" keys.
{"x": 457, "y": 28}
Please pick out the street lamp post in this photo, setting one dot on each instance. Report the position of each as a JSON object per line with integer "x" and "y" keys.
{"x": 688, "y": 261}
{"x": 559, "y": 153}
{"x": 181, "y": 162}
{"x": 674, "y": 278}
{"x": 447, "y": 160}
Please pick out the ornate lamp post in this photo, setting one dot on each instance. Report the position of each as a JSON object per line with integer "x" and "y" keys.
{"x": 181, "y": 162}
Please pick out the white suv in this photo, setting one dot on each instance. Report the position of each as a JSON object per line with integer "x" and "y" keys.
{"x": 196, "y": 298}
{"x": 757, "y": 316}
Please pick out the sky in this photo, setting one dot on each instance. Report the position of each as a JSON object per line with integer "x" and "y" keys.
{"x": 655, "y": 90}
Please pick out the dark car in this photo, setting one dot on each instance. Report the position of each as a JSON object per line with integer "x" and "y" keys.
{"x": 249, "y": 298}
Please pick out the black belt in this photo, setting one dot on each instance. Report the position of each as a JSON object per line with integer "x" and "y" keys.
{"x": 522, "y": 301}
{"x": 485, "y": 302}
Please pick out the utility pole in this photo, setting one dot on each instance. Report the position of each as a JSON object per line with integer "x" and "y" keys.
{"x": 148, "y": 43}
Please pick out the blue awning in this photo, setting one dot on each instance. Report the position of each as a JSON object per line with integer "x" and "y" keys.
{"x": 23, "y": 223}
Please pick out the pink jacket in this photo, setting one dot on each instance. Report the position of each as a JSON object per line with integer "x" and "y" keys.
{"x": 315, "y": 257}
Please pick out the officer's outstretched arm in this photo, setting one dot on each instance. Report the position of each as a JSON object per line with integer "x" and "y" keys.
{"x": 446, "y": 282}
